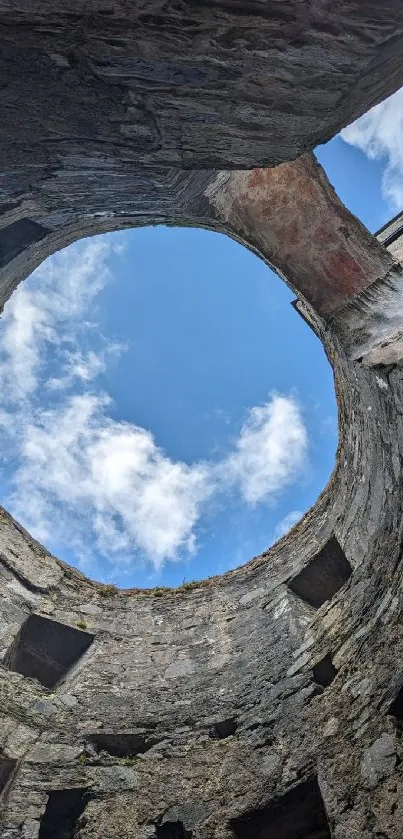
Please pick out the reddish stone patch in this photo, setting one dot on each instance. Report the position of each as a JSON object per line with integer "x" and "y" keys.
{"x": 293, "y": 217}
{"x": 346, "y": 272}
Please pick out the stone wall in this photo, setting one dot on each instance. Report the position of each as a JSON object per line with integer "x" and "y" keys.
{"x": 268, "y": 702}
{"x": 185, "y": 84}
{"x": 207, "y": 704}
{"x": 216, "y": 710}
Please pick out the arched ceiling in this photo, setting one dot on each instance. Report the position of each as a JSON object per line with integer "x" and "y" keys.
{"x": 189, "y": 83}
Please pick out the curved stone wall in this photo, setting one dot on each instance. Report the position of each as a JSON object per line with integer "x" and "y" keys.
{"x": 202, "y": 704}
{"x": 256, "y": 704}
{"x": 267, "y": 703}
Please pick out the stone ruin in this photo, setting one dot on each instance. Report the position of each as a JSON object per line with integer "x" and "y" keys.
{"x": 266, "y": 703}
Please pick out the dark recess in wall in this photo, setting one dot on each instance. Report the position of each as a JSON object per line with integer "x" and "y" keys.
{"x": 6, "y": 767}
{"x": 16, "y": 237}
{"x": 45, "y": 649}
{"x": 173, "y": 830}
{"x": 63, "y": 810}
{"x": 324, "y": 575}
{"x": 299, "y": 814}
{"x": 223, "y": 729}
{"x": 396, "y": 709}
{"x": 324, "y": 671}
{"x": 123, "y": 745}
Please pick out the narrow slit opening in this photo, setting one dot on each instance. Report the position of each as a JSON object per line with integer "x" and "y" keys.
{"x": 7, "y": 765}
{"x": 396, "y": 711}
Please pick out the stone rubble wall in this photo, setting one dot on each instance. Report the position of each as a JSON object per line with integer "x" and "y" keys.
{"x": 170, "y": 665}
{"x": 229, "y": 708}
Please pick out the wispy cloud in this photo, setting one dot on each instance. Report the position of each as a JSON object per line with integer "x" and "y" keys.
{"x": 83, "y": 366}
{"x": 80, "y": 477}
{"x": 44, "y": 313}
{"x": 379, "y": 135}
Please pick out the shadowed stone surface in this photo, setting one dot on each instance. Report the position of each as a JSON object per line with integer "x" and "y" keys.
{"x": 324, "y": 575}
{"x": 45, "y": 650}
{"x": 300, "y": 813}
{"x": 188, "y": 84}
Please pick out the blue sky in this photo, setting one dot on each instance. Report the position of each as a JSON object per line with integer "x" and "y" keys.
{"x": 166, "y": 414}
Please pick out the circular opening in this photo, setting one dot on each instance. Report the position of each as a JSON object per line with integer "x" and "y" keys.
{"x": 166, "y": 413}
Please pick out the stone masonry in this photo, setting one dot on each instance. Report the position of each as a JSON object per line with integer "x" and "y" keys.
{"x": 266, "y": 703}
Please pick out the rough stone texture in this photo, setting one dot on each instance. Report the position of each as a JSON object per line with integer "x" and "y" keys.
{"x": 186, "y": 83}
{"x": 293, "y": 210}
{"x": 170, "y": 665}
{"x": 379, "y": 760}
{"x": 290, "y": 216}
{"x": 370, "y": 325}
{"x": 213, "y": 710}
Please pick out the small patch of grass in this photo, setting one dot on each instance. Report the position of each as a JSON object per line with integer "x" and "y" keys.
{"x": 81, "y": 624}
{"x": 192, "y": 584}
{"x": 108, "y": 590}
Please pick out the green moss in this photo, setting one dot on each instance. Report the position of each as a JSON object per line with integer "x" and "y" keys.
{"x": 81, "y": 624}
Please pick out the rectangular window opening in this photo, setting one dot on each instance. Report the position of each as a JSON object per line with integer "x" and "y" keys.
{"x": 62, "y": 813}
{"x": 172, "y": 830}
{"x": 324, "y": 575}
{"x": 46, "y": 650}
{"x": 223, "y": 729}
{"x": 16, "y": 237}
{"x": 298, "y": 814}
{"x": 123, "y": 745}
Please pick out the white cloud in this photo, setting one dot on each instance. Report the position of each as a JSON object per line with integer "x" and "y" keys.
{"x": 41, "y": 312}
{"x": 285, "y": 524}
{"x": 379, "y": 134}
{"x": 108, "y": 483}
{"x": 81, "y": 366}
{"x": 98, "y": 485}
{"x": 271, "y": 450}
{"x": 109, "y": 479}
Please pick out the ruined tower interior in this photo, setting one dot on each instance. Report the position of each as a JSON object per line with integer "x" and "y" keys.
{"x": 266, "y": 703}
